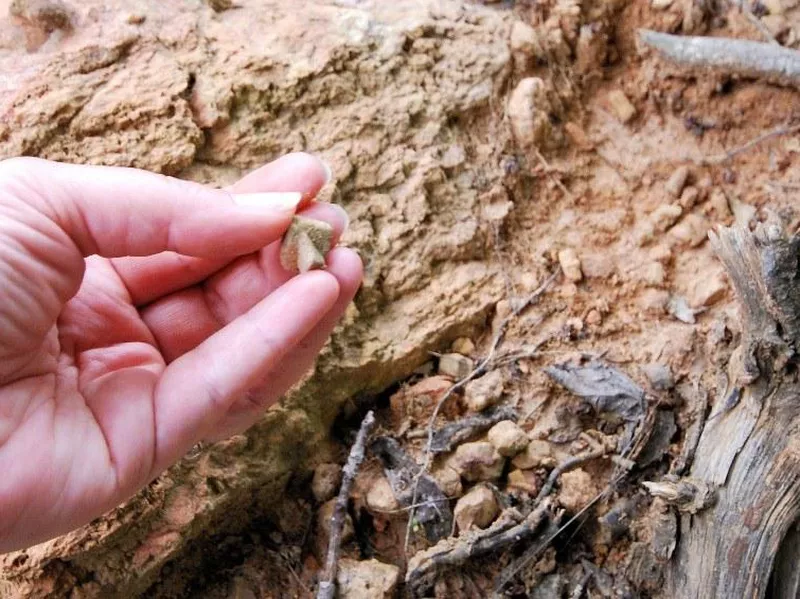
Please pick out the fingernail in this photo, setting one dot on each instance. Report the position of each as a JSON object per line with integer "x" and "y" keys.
{"x": 328, "y": 171}
{"x": 282, "y": 201}
{"x": 345, "y": 219}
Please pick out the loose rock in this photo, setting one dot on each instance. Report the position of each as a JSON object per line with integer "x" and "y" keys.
{"x": 305, "y": 244}
{"x": 525, "y": 40}
{"x": 476, "y": 508}
{"x": 380, "y": 497}
{"x": 449, "y": 481}
{"x": 326, "y": 481}
{"x": 527, "y": 113}
{"x": 537, "y": 454}
{"x": 463, "y": 346}
{"x": 455, "y": 365}
{"x": 677, "y": 181}
{"x": 369, "y": 579}
{"x": 484, "y": 392}
{"x": 570, "y": 264}
{"x": 477, "y": 461}
{"x": 577, "y": 489}
{"x": 508, "y": 438}
{"x": 620, "y": 106}
{"x": 526, "y": 481}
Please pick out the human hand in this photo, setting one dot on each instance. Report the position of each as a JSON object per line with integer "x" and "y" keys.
{"x": 139, "y": 315}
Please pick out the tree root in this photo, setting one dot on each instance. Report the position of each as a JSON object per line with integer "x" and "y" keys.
{"x": 745, "y": 58}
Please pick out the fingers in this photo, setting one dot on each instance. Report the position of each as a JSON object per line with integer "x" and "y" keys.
{"x": 150, "y": 278}
{"x": 127, "y": 212}
{"x": 182, "y": 320}
{"x": 346, "y": 266}
{"x": 197, "y": 389}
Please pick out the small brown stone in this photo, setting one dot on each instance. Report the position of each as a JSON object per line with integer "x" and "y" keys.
{"x": 526, "y": 481}
{"x": 537, "y": 454}
{"x": 326, "y": 481}
{"x": 576, "y": 489}
{"x": 484, "y": 392}
{"x": 477, "y": 461}
{"x": 508, "y": 438}
{"x": 369, "y": 579}
{"x": 463, "y": 346}
{"x": 449, "y": 481}
{"x": 380, "y": 497}
{"x": 305, "y": 244}
{"x": 620, "y": 106}
{"x": 476, "y": 508}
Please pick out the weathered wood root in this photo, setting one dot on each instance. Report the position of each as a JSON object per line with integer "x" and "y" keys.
{"x": 751, "y": 452}
{"x": 744, "y": 58}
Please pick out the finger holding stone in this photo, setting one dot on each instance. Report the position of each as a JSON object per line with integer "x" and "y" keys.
{"x": 182, "y": 320}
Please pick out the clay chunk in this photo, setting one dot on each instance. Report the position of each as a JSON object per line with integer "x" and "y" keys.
{"x": 305, "y": 244}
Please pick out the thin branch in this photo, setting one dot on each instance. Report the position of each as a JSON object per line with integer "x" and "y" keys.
{"x": 730, "y": 154}
{"x": 507, "y": 530}
{"x": 327, "y": 584}
{"x": 736, "y": 57}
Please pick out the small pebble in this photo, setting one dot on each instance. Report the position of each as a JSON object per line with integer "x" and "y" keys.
{"x": 537, "y": 454}
{"x": 449, "y": 481}
{"x": 576, "y": 489}
{"x": 478, "y": 508}
{"x": 508, "y": 438}
{"x": 477, "y": 461}
{"x": 368, "y": 579}
{"x": 326, "y": 481}
{"x": 570, "y": 264}
{"x": 484, "y": 392}
{"x": 463, "y": 346}
{"x": 380, "y": 497}
{"x": 455, "y": 365}
{"x": 526, "y": 481}
{"x": 621, "y": 106}
{"x": 305, "y": 244}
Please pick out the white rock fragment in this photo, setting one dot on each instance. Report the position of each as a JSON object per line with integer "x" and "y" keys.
{"x": 570, "y": 264}
{"x": 455, "y": 365}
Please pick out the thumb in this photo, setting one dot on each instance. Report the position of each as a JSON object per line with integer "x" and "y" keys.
{"x": 113, "y": 211}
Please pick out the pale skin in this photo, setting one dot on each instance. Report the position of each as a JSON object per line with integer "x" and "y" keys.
{"x": 140, "y": 315}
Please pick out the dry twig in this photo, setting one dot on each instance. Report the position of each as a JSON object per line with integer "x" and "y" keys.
{"x": 745, "y": 58}
{"x": 508, "y": 529}
{"x": 327, "y": 584}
